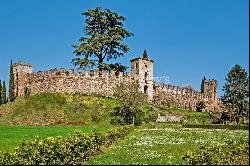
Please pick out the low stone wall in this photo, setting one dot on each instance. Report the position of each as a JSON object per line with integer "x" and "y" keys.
{"x": 170, "y": 118}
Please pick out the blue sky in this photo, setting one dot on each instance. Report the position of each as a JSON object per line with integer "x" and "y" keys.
{"x": 187, "y": 39}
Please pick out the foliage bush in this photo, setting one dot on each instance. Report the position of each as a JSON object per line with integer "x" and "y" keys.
{"x": 225, "y": 117}
{"x": 126, "y": 115}
{"x": 150, "y": 116}
{"x": 200, "y": 106}
{"x": 95, "y": 116}
{"x": 130, "y": 112}
{"x": 230, "y": 153}
{"x": 73, "y": 150}
{"x": 198, "y": 118}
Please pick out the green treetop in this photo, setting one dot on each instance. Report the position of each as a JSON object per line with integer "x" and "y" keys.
{"x": 103, "y": 40}
{"x": 236, "y": 92}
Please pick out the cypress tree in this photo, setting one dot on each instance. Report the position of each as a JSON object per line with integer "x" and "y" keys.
{"x": 4, "y": 99}
{"x": 0, "y": 92}
{"x": 11, "y": 84}
{"x": 145, "y": 55}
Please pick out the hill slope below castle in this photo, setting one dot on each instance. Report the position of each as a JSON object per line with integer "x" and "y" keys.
{"x": 58, "y": 108}
{"x": 79, "y": 109}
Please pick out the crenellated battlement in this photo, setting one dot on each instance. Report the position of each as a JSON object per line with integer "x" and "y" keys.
{"x": 178, "y": 90}
{"x": 104, "y": 82}
{"x": 93, "y": 74}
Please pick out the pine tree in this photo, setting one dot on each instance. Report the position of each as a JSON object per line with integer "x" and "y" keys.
{"x": 11, "y": 84}
{"x": 236, "y": 92}
{"x": 4, "y": 99}
{"x": 0, "y": 92}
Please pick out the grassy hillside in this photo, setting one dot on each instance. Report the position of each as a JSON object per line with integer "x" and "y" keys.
{"x": 49, "y": 108}
{"x": 79, "y": 109}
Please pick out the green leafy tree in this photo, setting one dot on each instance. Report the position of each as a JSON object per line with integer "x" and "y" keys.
{"x": 115, "y": 67}
{"x": 4, "y": 99}
{"x": 200, "y": 106}
{"x": 236, "y": 93}
{"x": 103, "y": 40}
{"x": 130, "y": 93}
{"x": 130, "y": 112}
{"x": 0, "y": 92}
{"x": 11, "y": 84}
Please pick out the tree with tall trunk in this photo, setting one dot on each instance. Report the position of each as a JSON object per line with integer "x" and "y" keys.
{"x": 103, "y": 40}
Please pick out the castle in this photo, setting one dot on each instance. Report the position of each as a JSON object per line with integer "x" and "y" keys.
{"x": 104, "y": 83}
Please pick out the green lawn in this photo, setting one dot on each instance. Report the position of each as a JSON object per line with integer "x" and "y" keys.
{"x": 163, "y": 145}
{"x": 12, "y": 136}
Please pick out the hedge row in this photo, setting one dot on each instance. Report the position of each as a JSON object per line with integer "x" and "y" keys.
{"x": 234, "y": 152}
{"x": 74, "y": 150}
{"x": 230, "y": 127}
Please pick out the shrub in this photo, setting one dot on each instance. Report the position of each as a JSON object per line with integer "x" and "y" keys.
{"x": 26, "y": 92}
{"x": 125, "y": 115}
{"x": 96, "y": 116}
{"x": 76, "y": 149}
{"x": 229, "y": 153}
{"x": 200, "y": 106}
{"x": 130, "y": 112}
{"x": 150, "y": 116}
{"x": 225, "y": 117}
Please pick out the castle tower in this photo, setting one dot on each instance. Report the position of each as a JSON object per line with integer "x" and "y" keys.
{"x": 210, "y": 88}
{"x": 20, "y": 70}
{"x": 142, "y": 70}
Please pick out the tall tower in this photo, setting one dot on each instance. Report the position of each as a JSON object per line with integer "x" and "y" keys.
{"x": 210, "y": 88}
{"x": 20, "y": 70}
{"x": 142, "y": 70}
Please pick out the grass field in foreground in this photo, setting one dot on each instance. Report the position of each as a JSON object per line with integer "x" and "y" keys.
{"x": 12, "y": 136}
{"x": 162, "y": 146}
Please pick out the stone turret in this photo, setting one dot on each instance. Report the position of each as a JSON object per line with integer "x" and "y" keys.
{"x": 142, "y": 70}
{"x": 209, "y": 88}
{"x": 94, "y": 82}
{"x": 20, "y": 70}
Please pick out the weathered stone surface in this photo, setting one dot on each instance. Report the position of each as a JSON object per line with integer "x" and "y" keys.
{"x": 170, "y": 118}
{"x": 104, "y": 83}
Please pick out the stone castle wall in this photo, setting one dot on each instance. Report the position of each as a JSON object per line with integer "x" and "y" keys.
{"x": 69, "y": 82}
{"x": 103, "y": 83}
{"x": 183, "y": 97}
